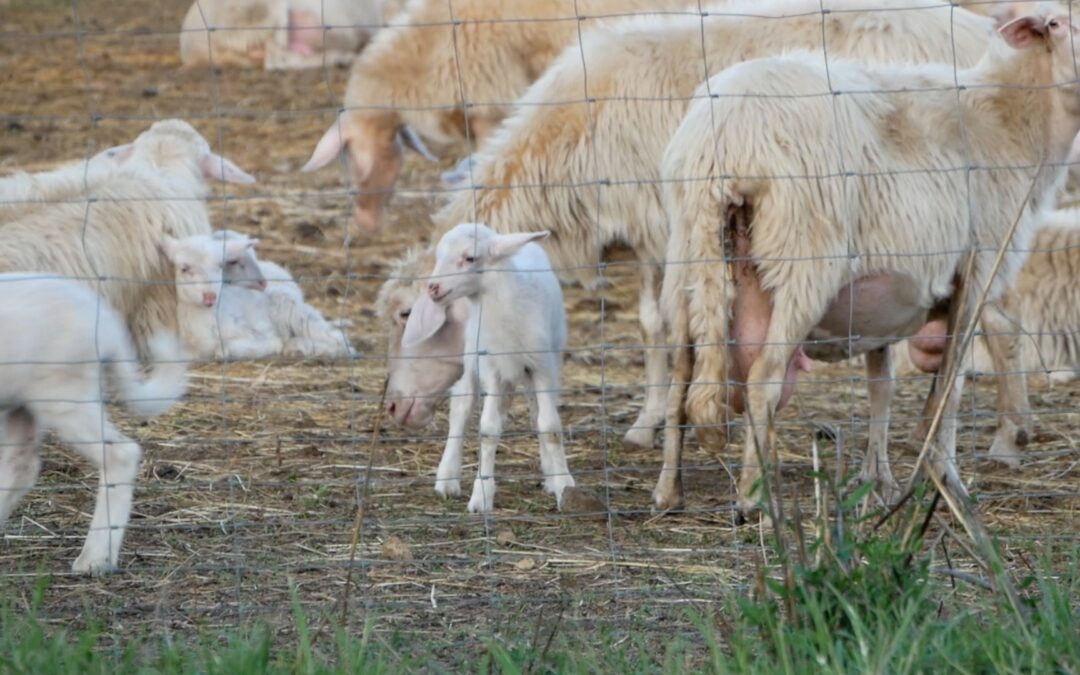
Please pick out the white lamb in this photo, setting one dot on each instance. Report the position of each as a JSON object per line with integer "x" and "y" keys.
{"x": 108, "y": 238}
{"x": 444, "y": 73}
{"x": 234, "y": 321}
{"x": 64, "y": 348}
{"x": 278, "y": 34}
{"x": 591, "y": 171}
{"x": 837, "y": 192}
{"x": 515, "y": 335}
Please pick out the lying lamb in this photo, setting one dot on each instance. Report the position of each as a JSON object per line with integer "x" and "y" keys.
{"x": 515, "y": 335}
{"x": 220, "y": 320}
{"x": 63, "y": 343}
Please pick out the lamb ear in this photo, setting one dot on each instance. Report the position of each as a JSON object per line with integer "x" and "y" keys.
{"x": 506, "y": 245}
{"x": 328, "y": 148}
{"x": 1024, "y": 32}
{"x": 425, "y": 319}
{"x": 411, "y": 139}
{"x": 168, "y": 247}
{"x": 219, "y": 168}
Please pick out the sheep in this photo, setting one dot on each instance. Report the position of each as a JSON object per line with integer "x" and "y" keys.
{"x": 886, "y": 227}
{"x": 517, "y": 327}
{"x": 24, "y": 193}
{"x": 591, "y": 171}
{"x": 64, "y": 344}
{"x": 234, "y": 321}
{"x": 109, "y": 240}
{"x": 277, "y": 34}
{"x": 421, "y": 374}
{"x": 446, "y": 73}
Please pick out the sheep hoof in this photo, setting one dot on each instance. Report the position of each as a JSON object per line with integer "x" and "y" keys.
{"x": 1005, "y": 452}
{"x": 641, "y": 437}
{"x": 92, "y": 564}
{"x": 669, "y": 499}
{"x": 448, "y": 487}
{"x": 483, "y": 496}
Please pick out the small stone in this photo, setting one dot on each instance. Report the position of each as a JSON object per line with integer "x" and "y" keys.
{"x": 525, "y": 564}
{"x": 394, "y": 548}
{"x": 579, "y": 500}
{"x": 504, "y": 537}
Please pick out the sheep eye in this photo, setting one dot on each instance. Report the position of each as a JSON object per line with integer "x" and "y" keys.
{"x": 185, "y": 269}
{"x": 470, "y": 258}
{"x": 404, "y": 314}
{"x": 1053, "y": 23}
{"x": 232, "y": 262}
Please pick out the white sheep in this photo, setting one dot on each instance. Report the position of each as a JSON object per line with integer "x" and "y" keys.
{"x": 278, "y": 34}
{"x": 64, "y": 348}
{"x": 838, "y": 188}
{"x": 445, "y": 73}
{"x": 591, "y": 171}
{"x": 23, "y": 193}
{"x": 421, "y": 374}
{"x": 108, "y": 238}
{"x": 234, "y": 320}
{"x": 515, "y": 334}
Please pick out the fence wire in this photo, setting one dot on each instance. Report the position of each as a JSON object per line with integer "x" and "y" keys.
{"x": 250, "y": 486}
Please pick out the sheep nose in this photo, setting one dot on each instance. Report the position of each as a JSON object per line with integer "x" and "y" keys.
{"x": 209, "y": 298}
{"x": 433, "y": 289}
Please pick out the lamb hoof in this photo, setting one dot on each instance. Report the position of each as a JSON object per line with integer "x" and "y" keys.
{"x": 483, "y": 496}
{"x": 640, "y": 437}
{"x": 448, "y": 487}
{"x": 92, "y": 565}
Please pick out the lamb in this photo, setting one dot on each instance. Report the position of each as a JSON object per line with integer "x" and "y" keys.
{"x": 591, "y": 172}
{"x": 886, "y": 230}
{"x": 421, "y": 374}
{"x": 447, "y": 73}
{"x": 278, "y": 34}
{"x": 109, "y": 240}
{"x": 234, "y": 321}
{"x": 517, "y": 327}
{"x": 64, "y": 344}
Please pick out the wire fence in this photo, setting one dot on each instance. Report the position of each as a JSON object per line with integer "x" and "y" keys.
{"x": 281, "y": 476}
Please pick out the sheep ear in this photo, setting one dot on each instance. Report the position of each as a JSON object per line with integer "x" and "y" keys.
{"x": 120, "y": 153}
{"x": 1024, "y": 32}
{"x": 425, "y": 319}
{"x": 219, "y": 168}
{"x": 236, "y": 247}
{"x": 412, "y": 140}
{"x": 506, "y": 245}
{"x": 328, "y": 148}
{"x": 168, "y": 247}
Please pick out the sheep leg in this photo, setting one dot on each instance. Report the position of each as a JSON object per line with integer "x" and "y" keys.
{"x": 643, "y": 433}
{"x": 243, "y": 348}
{"x": 19, "y": 460}
{"x": 87, "y": 429}
{"x": 1014, "y": 412}
{"x": 668, "y": 492}
{"x": 557, "y": 475}
{"x": 462, "y": 397}
{"x": 881, "y": 385}
{"x": 492, "y": 419}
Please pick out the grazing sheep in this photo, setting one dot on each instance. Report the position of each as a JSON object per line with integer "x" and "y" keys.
{"x": 277, "y": 34}
{"x": 109, "y": 240}
{"x": 64, "y": 345}
{"x": 233, "y": 320}
{"x": 447, "y": 73}
{"x": 860, "y": 161}
{"x": 421, "y": 374}
{"x": 515, "y": 334}
{"x": 590, "y": 171}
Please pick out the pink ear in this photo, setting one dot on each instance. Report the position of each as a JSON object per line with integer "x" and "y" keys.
{"x": 425, "y": 319}
{"x": 506, "y": 245}
{"x": 217, "y": 167}
{"x": 1024, "y": 32}
{"x": 329, "y": 147}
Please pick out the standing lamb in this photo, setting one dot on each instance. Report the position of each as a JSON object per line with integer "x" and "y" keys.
{"x": 109, "y": 240}
{"x": 62, "y": 346}
{"x": 232, "y": 320}
{"x": 516, "y": 334}
{"x": 590, "y": 169}
{"x": 278, "y": 34}
{"x": 447, "y": 73}
{"x": 884, "y": 229}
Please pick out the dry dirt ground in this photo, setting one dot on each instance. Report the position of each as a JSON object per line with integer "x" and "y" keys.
{"x": 250, "y": 486}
